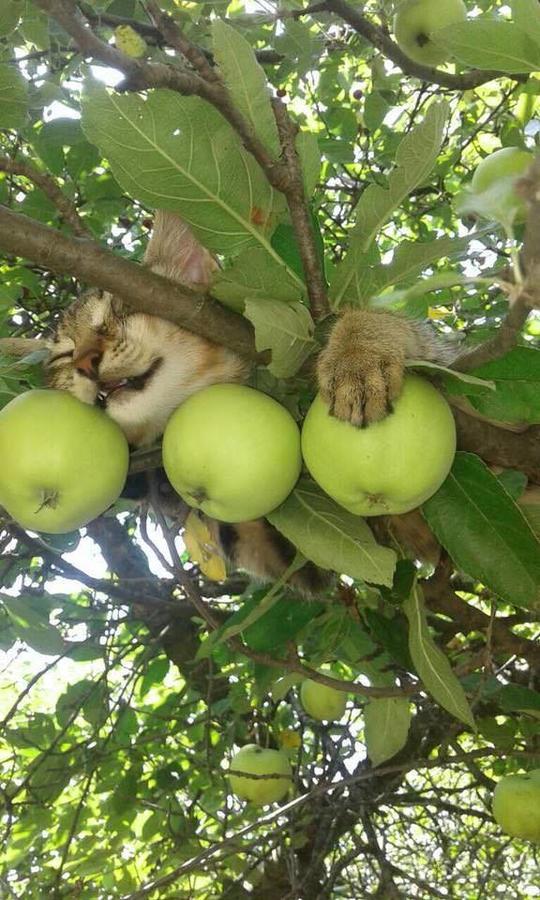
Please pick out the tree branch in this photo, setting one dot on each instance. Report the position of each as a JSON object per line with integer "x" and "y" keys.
{"x": 142, "y": 289}
{"x": 381, "y": 40}
{"x": 48, "y": 185}
{"x": 499, "y": 447}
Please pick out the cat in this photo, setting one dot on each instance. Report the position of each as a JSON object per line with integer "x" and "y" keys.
{"x": 139, "y": 368}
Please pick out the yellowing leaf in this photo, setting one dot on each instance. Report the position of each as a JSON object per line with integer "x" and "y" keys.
{"x": 289, "y": 739}
{"x": 202, "y": 548}
{"x": 129, "y": 42}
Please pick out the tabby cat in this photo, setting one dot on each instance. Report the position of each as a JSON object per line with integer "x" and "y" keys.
{"x": 139, "y": 368}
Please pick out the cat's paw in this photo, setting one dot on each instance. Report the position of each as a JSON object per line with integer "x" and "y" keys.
{"x": 360, "y": 387}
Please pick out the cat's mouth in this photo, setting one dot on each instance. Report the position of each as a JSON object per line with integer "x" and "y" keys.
{"x": 108, "y": 389}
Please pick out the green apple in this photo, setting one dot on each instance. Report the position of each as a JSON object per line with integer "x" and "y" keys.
{"x": 495, "y": 179}
{"x": 416, "y": 20}
{"x": 232, "y": 452}
{"x": 322, "y": 702}
{"x": 254, "y": 760}
{"x": 63, "y": 462}
{"x": 390, "y": 467}
{"x": 516, "y": 805}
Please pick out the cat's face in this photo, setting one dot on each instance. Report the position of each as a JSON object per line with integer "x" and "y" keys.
{"x": 137, "y": 367}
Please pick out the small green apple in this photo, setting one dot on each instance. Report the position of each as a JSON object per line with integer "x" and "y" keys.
{"x": 232, "y": 452}
{"x": 390, "y": 467}
{"x": 494, "y": 180}
{"x": 516, "y": 805}
{"x": 322, "y": 702}
{"x": 254, "y": 760}
{"x": 63, "y": 462}
{"x": 416, "y": 20}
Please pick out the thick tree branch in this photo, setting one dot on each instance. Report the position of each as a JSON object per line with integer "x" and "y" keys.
{"x": 142, "y": 289}
{"x": 381, "y": 40}
{"x": 48, "y": 185}
{"x": 499, "y": 447}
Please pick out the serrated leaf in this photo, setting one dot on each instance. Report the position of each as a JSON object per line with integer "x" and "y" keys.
{"x": 415, "y": 157}
{"x": 332, "y": 537}
{"x": 486, "y": 43}
{"x": 516, "y": 377}
{"x": 219, "y": 189}
{"x": 485, "y": 532}
{"x": 386, "y": 726}
{"x": 257, "y": 275}
{"x": 13, "y": 97}
{"x": 431, "y": 664}
{"x": 284, "y": 328}
{"x": 246, "y": 82}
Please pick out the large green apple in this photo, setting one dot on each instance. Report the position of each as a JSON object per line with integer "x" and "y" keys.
{"x": 390, "y": 467}
{"x": 416, "y": 20}
{"x": 63, "y": 462}
{"x": 322, "y": 702}
{"x": 255, "y": 760}
{"x": 516, "y": 805}
{"x": 232, "y": 452}
{"x": 495, "y": 179}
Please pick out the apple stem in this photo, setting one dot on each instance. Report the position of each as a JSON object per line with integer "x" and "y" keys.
{"x": 49, "y": 499}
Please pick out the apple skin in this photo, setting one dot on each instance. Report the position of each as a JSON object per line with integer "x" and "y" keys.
{"x": 414, "y": 22}
{"x": 232, "y": 452}
{"x": 498, "y": 173}
{"x": 390, "y": 467}
{"x": 516, "y": 805}
{"x": 51, "y": 443}
{"x": 258, "y": 761}
{"x": 322, "y": 702}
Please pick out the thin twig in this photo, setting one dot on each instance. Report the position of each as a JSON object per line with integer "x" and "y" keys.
{"x": 49, "y": 186}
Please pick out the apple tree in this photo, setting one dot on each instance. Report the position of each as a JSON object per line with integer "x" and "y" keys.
{"x": 327, "y": 159}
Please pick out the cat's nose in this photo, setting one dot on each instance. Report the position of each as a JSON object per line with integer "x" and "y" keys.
{"x": 88, "y": 363}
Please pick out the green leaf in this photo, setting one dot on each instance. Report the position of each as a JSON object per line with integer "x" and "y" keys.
{"x": 485, "y": 43}
{"x": 408, "y": 262}
{"x": 246, "y": 83}
{"x": 332, "y": 537}
{"x": 431, "y": 663}
{"x": 516, "y": 377}
{"x": 31, "y": 624}
{"x": 284, "y": 328}
{"x": 386, "y": 726}
{"x": 13, "y": 98}
{"x": 71, "y": 702}
{"x": 517, "y": 697}
{"x": 257, "y": 275}
{"x": 220, "y": 190}
{"x": 451, "y": 374}
{"x": 416, "y": 156}
{"x": 526, "y": 15}
{"x": 485, "y": 532}
{"x": 10, "y": 12}
{"x": 155, "y": 673}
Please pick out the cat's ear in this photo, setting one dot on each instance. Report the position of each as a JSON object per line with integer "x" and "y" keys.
{"x": 174, "y": 251}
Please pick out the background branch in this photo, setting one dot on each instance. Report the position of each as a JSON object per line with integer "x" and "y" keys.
{"x": 383, "y": 42}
